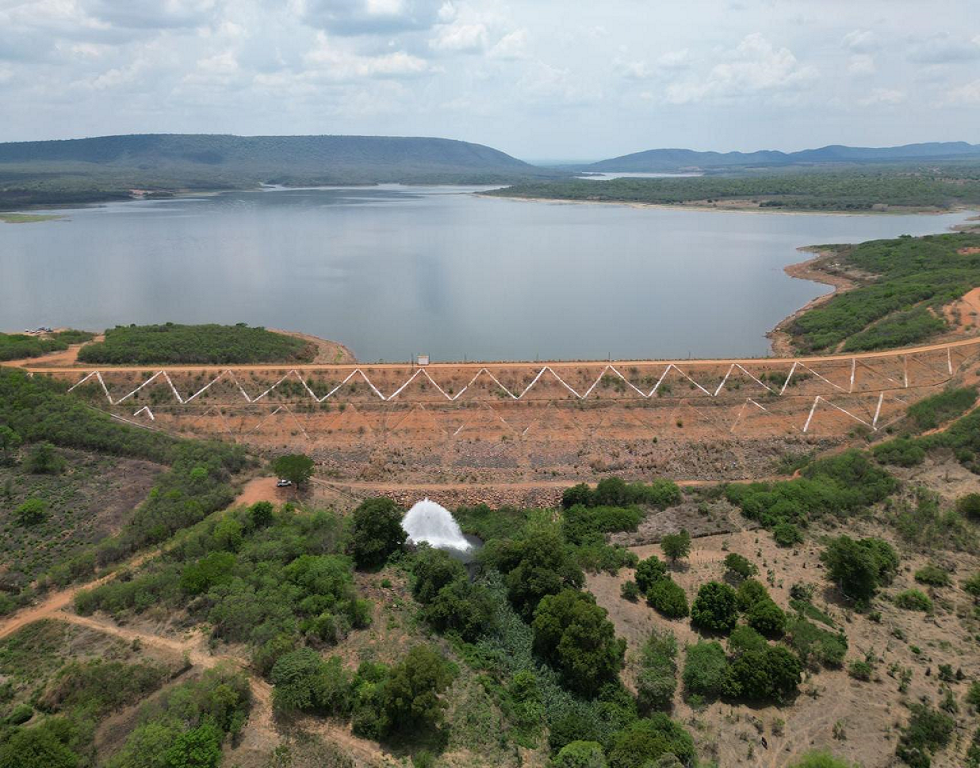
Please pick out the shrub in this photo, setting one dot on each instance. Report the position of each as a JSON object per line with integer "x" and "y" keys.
{"x": 750, "y": 592}
{"x": 969, "y": 506}
{"x": 860, "y": 670}
{"x": 859, "y": 567}
{"x": 669, "y": 598}
{"x": 927, "y": 731}
{"x": 20, "y": 714}
{"x": 461, "y": 607}
{"x": 900, "y": 452}
{"x": 580, "y": 754}
{"x": 932, "y": 411}
{"x": 648, "y": 571}
{"x": 31, "y": 512}
{"x": 261, "y": 514}
{"x": 822, "y": 759}
{"x": 705, "y": 669}
{"x": 787, "y": 534}
{"x": 715, "y": 608}
{"x": 739, "y": 567}
{"x": 767, "y": 618}
{"x": 304, "y": 682}
{"x": 676, "y": 545}
{"x": 913, "y": 600}
{"x": 657, "y": 678}
{"x": 772, "y": 673}
{"x": 972, "y": 585}
{"x": 433, "y": 569}
{"x": 585, "y": 525}
{"x": 575, "y": 635}
{"x": 745, "y": 639}
{"x": 815, "y": 645}
{"x": 646, "y": 740}
{"x": 411, "y": 697}
{"x": 932, "y": 575}
{"x": 630, "y": 591}
{"x": 42, "y": 459}
{"x": 377, "y": 532}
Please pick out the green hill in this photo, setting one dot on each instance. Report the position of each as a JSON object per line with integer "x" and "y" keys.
{"x": 107, "y": 167}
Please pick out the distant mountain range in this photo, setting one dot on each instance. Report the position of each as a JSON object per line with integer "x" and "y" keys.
{"x": 666, "y": 160}
{"x": 282, "y": 159}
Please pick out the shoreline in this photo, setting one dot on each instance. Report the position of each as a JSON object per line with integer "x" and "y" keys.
{"x": 730, "y": 209}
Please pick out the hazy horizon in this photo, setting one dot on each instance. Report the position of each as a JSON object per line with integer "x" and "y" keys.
{"x": 541, "y": 80}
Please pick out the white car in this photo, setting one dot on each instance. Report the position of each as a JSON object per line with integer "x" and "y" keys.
{"x": 283, "y": 483}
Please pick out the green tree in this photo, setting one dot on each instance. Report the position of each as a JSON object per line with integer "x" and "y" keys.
{"x": 644, "y": 741}
{"x": 715, "y": 608}
{"x": 580, "y": 754}
{"x": 648, "y": 571}
{"x": 9, "y": 443}
{"x": 197, "y": 748}
{"x": 43, "y": 459}
{"x": 433, "y": 569}
{"x": 767, "y": 618}
{"x": 575, "y": 635}
{"x": 822, "y": 759}
{"x": 669, "y": 598}
{"x": 461, "y": 607}
{"x": 411, "y": 696}
{"x": 854, "y": 567}
{"x": 657, "y": 678}
{"x": 40, "y": 747}
{"x": 296, "y": 467}
{"x": 377, "y": 532}
{"x": 676, "y": 545}
{"x": 31, "y": 512}
{"x": 705, "y": 669}
{"x": 738, "y": 567}
{"x": 968, "y": 506}
{"x": 261, "y": 514}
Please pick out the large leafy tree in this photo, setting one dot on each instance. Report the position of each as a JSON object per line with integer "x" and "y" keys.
{"x": 295, "y": 467}
{"x": 575, "y": 635}
{"x": 715, "y": 608}
{"x": 859, "y": 567}
{"x": 412, "y": 694}
{"x": 676, "y": 545}
{"x": 376, "y": 532}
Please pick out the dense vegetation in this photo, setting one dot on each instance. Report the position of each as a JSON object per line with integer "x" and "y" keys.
{"x": 859, "y": 190}
{"x": 190, "y": 344}
{"x": 912, "y": 278}
{"x": 961, "y": 438}
{"x": 16, "y": 346}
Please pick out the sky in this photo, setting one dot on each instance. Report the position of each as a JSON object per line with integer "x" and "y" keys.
{"x": 539, "y": 79}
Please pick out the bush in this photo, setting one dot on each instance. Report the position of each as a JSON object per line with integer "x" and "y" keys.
{"x": 676, "y": 545}
{"x": 745, "y": 639}
{"x": 614, "y": 492}
{"x": 42, "y": 459}
{"x": 646, "y": 740}
{"x": 969, "y": 506}
{"x": 787, "y": 534}
{"x": 822, "y": 759}
{"x": 630, "y": 591}
{"x": 715, "y": 608}
{"x": 739, "y": 567}
{"x": 972, "y": 585}
{"x": 669, "y": 598}
{"x": 860, "y": 670}
{"x": 462, "y": 608}
{"x": 705, "y": 669}
{"x": 433, "y": 569}
{"x": 657, "y": 678}
{"x": 913, "y": 600}
{"x": 750, "y": 592}
{"x": 575, "y": 635}
{"x": 649, "y": 571}
{"x": 932, "y": 411}
{"x": 900, "y": 452}
{"x": 580, "y": 754}
{"x": 932, "y": 575}
{"x": 767, "y": 618}
{"x": 304, "y": 682}
{"x": 859, "y": 567}
{"x": 20, "y": 714}
{"x": 583, "y": 525}
{"x": 31, "y": 512}
{"x": 772, "y": 673}
{"x": 411, "y": 696}
{"x": 927, "y": 732}
{"x": 815, "y": 645}
{"x": 377, "y": 532}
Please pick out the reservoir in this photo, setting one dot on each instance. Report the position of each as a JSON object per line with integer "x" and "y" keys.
{"x": 395, "y": 271}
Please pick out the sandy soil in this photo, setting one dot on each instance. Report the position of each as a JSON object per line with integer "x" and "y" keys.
{"x": 963, "y": 316}
{"x": 328, "y": 352}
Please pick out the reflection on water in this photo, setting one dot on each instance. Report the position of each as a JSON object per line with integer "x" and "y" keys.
{"x": 393, "y": 271}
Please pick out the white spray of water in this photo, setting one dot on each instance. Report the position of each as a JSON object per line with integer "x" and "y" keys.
{"x": 433, "y": 524}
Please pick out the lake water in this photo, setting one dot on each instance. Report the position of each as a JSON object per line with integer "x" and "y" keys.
{"x": 396, "y": 271}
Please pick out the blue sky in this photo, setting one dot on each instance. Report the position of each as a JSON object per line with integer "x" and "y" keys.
{"x": 541, "y": 79}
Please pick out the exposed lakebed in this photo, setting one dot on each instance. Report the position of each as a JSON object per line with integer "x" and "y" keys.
{"x": 395, "y": 271}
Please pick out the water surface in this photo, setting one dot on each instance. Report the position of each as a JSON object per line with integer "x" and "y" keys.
{"x": 395, "y": 271}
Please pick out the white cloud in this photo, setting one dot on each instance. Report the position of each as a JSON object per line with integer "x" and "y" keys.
{"x": 330, "y": 61}
{"x": 883, "y": 97}
{"x": 861, "y": 65}
{"x": 366, "y": 17}
{"x": 964, "y": 95}
{"x": 755, "y": 67}
{"x": 860, "y": 41}
{"x": 944, "y": 48}
{"x": 460, "y": 38}
{"x": 511, "y": 47}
